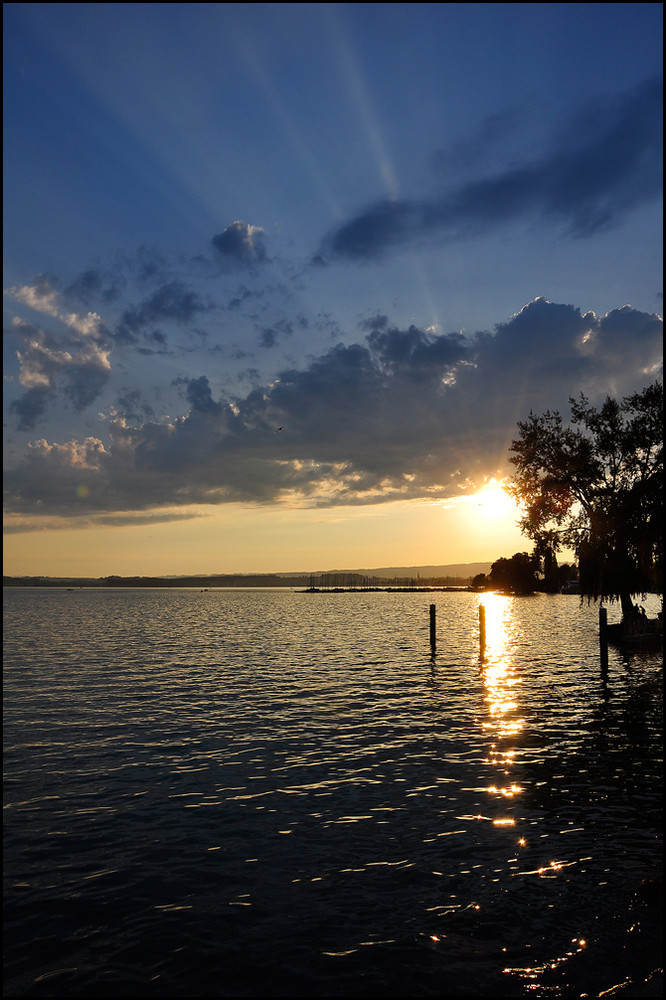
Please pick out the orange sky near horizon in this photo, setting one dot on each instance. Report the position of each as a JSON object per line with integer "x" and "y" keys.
{"x": 237, "y": 538}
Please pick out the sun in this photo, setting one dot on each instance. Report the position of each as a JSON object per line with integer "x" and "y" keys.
{"x": 493, "y": 503}
{"x": 486, "y": 523}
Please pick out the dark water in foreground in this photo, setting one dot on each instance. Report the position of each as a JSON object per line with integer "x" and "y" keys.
{"x": 264, "y": 793}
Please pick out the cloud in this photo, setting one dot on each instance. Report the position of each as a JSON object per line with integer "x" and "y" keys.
{"x": 81, "y": 370}
{"x": 75, "y": 359}
{"x": 200, "y": 396}
{"x": 240, "y": 245}
{"x": 171, "y": 302}
{"x": 607, "y": 162}
{"x": 41, "y": 296}
{"x": 277, "y": 332}
{"x": 145, "y": 266}
{"x": 405, "y": 413}
{"x": 16, "y": 524}
{"x": 132, "y": 406}
{"x": 416, "y": 354}
{"x": 96, "y": 283}
{"x": 30, "y": 407}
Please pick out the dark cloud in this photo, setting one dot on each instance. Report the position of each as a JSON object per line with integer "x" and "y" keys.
{"x": 416, "y": 353}
{"x": 104, "y": 284}
{"x": 121, "y": 519}
{"x": 380, "y": 227}
{"x": 96, "y": 284}
{"x": 132, "y": 406}
{"x": 30, "y": 408}
{"x": 157, "y": 341}
{"x": 241, "y": 245}
{"x": 84, "y": 383}
{"x": 200, "y": 397}
{"x": 172, "y": 302}
{"x": 270, "y": 336}
{"x": 607, "y": 163}
{"x": 406, "y": 413}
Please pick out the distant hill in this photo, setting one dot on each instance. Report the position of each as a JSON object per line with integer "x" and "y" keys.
{"x": 391, "y": 572}
{"x": 455, "y": 573}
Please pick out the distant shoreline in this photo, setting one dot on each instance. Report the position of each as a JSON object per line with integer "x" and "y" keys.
{"x": 386, "y": 590}
{"x": 307, "y": 583}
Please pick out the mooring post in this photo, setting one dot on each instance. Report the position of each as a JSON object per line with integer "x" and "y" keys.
{"x": 603, "y": 637}
{"x": 482, "y": 629}
{"x": 433, "y": 629}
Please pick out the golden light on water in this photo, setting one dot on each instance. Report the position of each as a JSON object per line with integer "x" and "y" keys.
{"x": 504, "y": 719}
{"x": 533, "y": 971}
{"x": 508, "y": 793}
{"x": 499, "y": 672}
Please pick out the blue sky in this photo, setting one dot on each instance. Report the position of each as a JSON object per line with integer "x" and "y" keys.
{"x": 390, "y": 230}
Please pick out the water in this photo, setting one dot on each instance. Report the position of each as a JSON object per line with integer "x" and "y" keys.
{"x": 265, "y": 793}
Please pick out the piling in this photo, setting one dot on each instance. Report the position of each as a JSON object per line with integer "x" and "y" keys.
{"x": 603, "y": 638}
{"x": 433, "y": 628}
{"x": 482, "y": 629}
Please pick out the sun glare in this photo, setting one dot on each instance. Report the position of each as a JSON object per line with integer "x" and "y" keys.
{"x": 493, "y": 502}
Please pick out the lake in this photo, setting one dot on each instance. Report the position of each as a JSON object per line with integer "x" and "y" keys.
{"x": 266, "y": 793}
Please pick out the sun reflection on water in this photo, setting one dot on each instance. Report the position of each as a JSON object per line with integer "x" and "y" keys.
{"x": 499, "y": 671}
{"x": 504, "y": 720}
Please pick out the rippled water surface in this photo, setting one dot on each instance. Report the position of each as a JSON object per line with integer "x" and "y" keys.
{"x": 267, "y": 793}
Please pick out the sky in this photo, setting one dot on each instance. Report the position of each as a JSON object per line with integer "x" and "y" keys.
{"x": 280, "y": 280}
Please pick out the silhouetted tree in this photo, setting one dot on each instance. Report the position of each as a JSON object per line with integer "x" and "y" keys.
{"x": 595, "y": 486}
{"x": 517, "y": 574}
{"x": 549, "y": 568}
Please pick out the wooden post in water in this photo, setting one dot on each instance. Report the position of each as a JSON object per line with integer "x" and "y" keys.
{"x": 433, "y": 629}
{"x": 482, "y": 630}
{"x": 603, "y": 637}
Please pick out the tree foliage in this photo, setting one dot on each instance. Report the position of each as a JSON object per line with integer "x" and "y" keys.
{"x": 517, "y": 574}
{"x": 595, "y": 486}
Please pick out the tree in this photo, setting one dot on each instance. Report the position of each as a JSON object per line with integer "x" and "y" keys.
{"x": 595, "y": 486}
{"x": 517, "y": 574}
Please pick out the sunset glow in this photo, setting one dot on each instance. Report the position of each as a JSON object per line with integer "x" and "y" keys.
{"x": 307, "y": 308}
{"x": 495, "y": 504}
{"x": 273, "y": 299}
